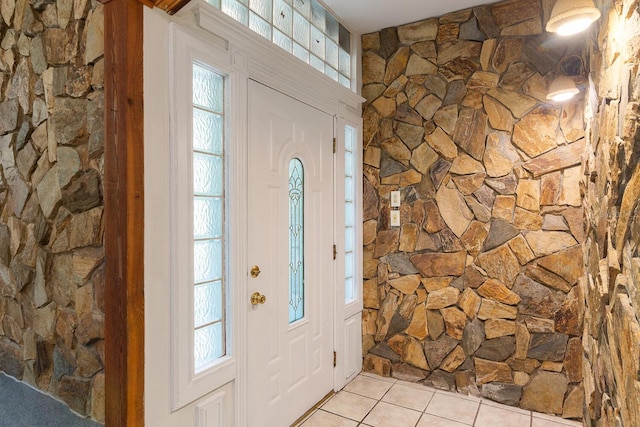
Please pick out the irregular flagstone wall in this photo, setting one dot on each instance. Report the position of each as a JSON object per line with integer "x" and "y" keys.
{"x": 612, "y": 287}
{"x": 51, "y": 205}
{"x": 476, "y": 291}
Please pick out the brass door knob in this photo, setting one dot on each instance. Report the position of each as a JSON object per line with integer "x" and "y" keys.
{"x": 255, "y": 271}
{"x": 256, "y": 298}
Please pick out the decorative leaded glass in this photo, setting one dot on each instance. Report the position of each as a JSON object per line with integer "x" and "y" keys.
{"x": 296, "y": 240}
{"x": 208, "y": 216}
{"x": 301, "y": 27}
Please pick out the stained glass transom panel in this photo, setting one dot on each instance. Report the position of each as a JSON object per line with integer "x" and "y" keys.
{"x": 296, "y": 240}
{"x": 208, "y": 214}
{"x": 304, "y": 28}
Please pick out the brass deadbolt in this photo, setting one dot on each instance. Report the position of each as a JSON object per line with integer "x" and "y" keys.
{"x": 255, "y": 271}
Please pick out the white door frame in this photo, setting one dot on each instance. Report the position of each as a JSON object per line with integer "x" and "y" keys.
{"x": 248, "y": 56}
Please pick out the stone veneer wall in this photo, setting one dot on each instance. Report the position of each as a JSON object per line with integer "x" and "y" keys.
{"x": 51, "y": 205}
{"x": 477, "y": 290}
{"x": 611, "y": 337}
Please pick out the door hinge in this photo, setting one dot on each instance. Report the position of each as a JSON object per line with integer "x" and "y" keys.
{"x": 335, "y": 252}
{"x": 335, "y": 359}
{"x": 334, "y": 145}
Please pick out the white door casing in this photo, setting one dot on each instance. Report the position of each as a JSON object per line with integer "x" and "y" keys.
{"x": 243, "y": 56}
{"x": 290, "y": 366}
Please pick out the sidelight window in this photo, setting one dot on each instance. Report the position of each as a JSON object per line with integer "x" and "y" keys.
{"x": 208, "y": 218}
{"x": 350, "y": 284}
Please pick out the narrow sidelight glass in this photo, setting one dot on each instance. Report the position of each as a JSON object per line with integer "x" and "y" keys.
{"x": 209, "y": 323}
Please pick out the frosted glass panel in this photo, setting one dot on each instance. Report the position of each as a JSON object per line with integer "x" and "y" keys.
{"x": 332, "y": 53}
{"x": 208, "y": 343}
{"x": 348, "y": 220}
{"x": 300, "y": 52}
{"x": 348, "y": 164}
{"x": 207, "y": 260}
{"x": 208, "y": 213}
{"x": 348, "y": 192}
{"x": 316, "y": 63}
{"x": 317, "y": 15}
{"x": 282, "y": 40}
{"x": 260, "y": 26}
{"x": 207, "y": 89}
{"x": 300, "y": 30}
{"x": 207, "y": 174}
{"x": 262, "y": 8}
{"x": 348, "y": 239}
{"x": 296, "y": 240}
{"x": 317, "y": 42}
{"x": 350, "y": 289}
{"x": 331, "y": 27}
{"x": 207, "y": 217}
{"x": 348, "y": 263}
{"x": 207, "y": 303}
{"x": 331, "y": 72}
{"x": 344, "y": 81}
{"x": 236, "y": 10}
{"x": 283, "y": 17}
{"x": 303, "y": 6}
{"x": 349, "y": 139}
{"x": 207, "y": 131}
{"x": 305, "y": 22}
{"x": 345, "y": 63}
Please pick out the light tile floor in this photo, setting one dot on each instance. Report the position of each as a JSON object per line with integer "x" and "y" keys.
{"x": 372, "y": 401}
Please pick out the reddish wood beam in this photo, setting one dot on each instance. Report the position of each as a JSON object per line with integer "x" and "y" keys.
{"x": 169, "y": 6}
{"x": 124, "y": 214}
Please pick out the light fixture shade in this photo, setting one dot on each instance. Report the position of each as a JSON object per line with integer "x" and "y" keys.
{"x": 572, "y": 16}
{"x": 562, "y": 89}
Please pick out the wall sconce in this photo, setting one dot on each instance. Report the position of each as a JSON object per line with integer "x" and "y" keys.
{"x": 572, "y": 16}
{"x": 563, "y": 88}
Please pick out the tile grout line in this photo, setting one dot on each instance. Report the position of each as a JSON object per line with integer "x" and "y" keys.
{"x": 475, "y": 419}
{"x": 424, "y": 411}
{"x": 378, "y": 401}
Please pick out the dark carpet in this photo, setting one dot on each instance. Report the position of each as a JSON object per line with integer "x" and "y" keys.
{"x": 23, "y": 406}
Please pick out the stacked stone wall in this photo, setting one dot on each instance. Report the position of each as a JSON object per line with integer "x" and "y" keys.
{"x": 477, "y": 290}
{"x": 51, "y": 204}
{"x": 611, "y": 338}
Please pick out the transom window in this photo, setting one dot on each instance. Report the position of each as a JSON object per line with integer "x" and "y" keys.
{"x": 303, "y": 28}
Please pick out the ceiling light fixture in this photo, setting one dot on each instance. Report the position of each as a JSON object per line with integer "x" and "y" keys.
{"x": 572, "y": 16}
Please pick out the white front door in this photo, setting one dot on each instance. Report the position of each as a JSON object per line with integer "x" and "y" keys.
{"x": 290, "y": 334}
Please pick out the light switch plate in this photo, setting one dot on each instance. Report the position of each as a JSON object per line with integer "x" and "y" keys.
{"x": 395, "y": 218}
{"x": 395, "y": 199}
